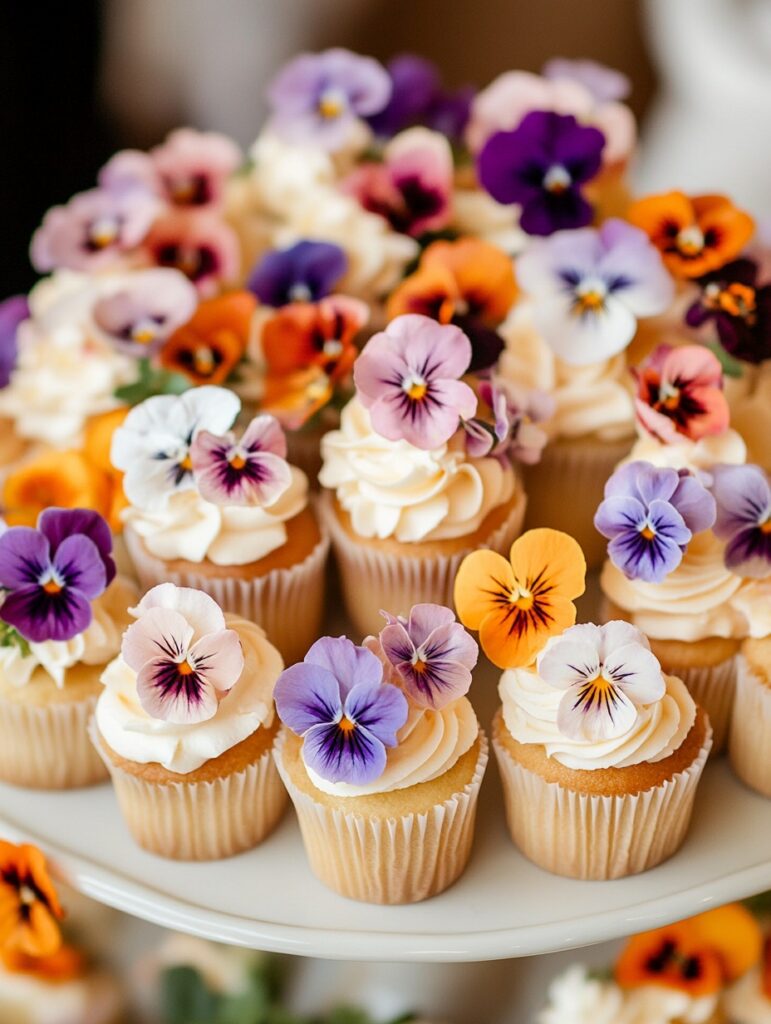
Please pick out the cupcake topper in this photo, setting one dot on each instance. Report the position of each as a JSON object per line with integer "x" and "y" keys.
{"x": 743, "y": 498}
{"x": 29, "y": 925}
{"x": 139, "y": 317}
{"x": 249, "y": 471}
{"x": 739, "y": 306}
{"x": 514, "y": 432}
{"x": 680, "y": 394}
{"x": 305, "y": 272}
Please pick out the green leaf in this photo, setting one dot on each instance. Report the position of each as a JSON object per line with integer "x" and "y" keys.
{"x": 185, "y": 999}
{"x": 152, "y": 381}
{"x": 11, "y": 637}
{"x": 731, "y": 367}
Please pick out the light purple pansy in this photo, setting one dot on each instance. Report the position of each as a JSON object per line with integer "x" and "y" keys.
{"x": 407, "y": 377}
{"x": 605, "y": 84}
{"x": 337, "y": 701}
{"x": 649, "y": 515}
{"x": 251, "y": 470}
{"x": 743, "y": 497}
{"x": 607, "y": 672}
{"x": 515, "y": 433}
{"x": 12, "y": 312}
{"x": 139, "y": 317}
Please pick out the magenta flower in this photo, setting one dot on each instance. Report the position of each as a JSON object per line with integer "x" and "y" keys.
{"x": 249, "y": 471}
{"x": 407, "y": 376}
{"x": 337, "y": 701}
{"x": 140, "y": 317}
{"x": 201, "y": 245}
{"x": 185, "y": 657}
{"x": 743, "y": 499}
{"x": 52, "y": 573}
{"x": 12, "y": 312}
{"x": 305, "y": 272}
{"x": 432, "y": 654}
{"x": 680, "y": 392}
{"x": 515, "y": 433}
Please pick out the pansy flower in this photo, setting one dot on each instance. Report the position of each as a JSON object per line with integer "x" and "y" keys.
{"x": 140, "y": 316}
{"x": 680, "y": 392}
{"x": 740, "y": 309}
{"x": 54, "y": 479}
{"x": 649, "y": 516}
{"x": 590, "y": 287}
{"x": 743, "y": 520}
{"x": 517, "y": 603}
{"x": 673, "y": 957}
{"x": 250, "y": 470}
{"x": 294, "y": 398}
{"x": 208, "y": 347}
{"x": 337, "y": 701}
{"x": 431, "y": 653}
{"x": 185, "y": 657}
{"x": 607, "y": 672}
{"x": 201, "y": 245}
{"x": 605, "y": 84}
{"x": 318, "y": 98}
{"x": 694, "y": 235}
{"x": 418, "y": 98}
{"x": 12, "y": 312}
{"x": 66, "y": 964}
{"x": 514, "y": 432}
{"x": 407, "y": 377}
{"x": 52, "y": 573}
{"x": 305, "y": 272}
{"x": 542, "y": 165}
{"x": 29, "y": 907}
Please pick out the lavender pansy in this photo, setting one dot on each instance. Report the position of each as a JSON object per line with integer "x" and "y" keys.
{"x": 337, "y": 701}
{"x": 605, "y": 84}
{"x": 12, "y": 312}
{"x": 739, "y": 307}
{"x": 649, "y": 515}
{"x": 250, "y": 471}
{"x": 514, "y": 433}
{"x": 607, "y": 672}
{"x": 305, "y": 272}
{"x": 407, "y": 377}
{"x": 139, "y": 317}
{"x": 743, "y": 520}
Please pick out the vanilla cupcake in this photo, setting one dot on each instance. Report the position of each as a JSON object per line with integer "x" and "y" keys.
{"x": 383, "y": 757}
{"x": 187, "y": 735}
{"x": 750, "y": 740}
{"x": 224, "y": 515}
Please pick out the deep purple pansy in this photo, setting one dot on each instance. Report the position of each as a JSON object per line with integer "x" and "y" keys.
{"x": 740, "y": 309}
{"x": 743, "y": 499}
{"x": 251, "y": 470}
{"x": 305, "y": 272}
{"x": 418, "y": 98}
{"x": 12, "y": 312}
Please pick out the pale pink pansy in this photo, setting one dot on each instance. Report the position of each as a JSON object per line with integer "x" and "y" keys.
{"x": 141, "y": 315}
{"x": 251, "y": 470}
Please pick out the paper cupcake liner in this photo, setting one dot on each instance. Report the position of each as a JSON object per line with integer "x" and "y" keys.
{"x": 388, "y": 860}
{"x": 200, "y": 820}
{"x": 592, "y": 837}
{"x": 372, "y": 579}
{"x": 714, "y": 689}
{"x": 749, "y": 747}
{"x": 287, "y": 603}
{"x": 48, "y": 746}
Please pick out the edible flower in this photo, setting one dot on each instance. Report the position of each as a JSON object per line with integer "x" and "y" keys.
{"x": 739, "y": 307}
{"x": 518, "y": 603}
{"x": 418, "y": 98}
{"x": 514, "y": 433}
{"x": 66, "y": 964}
{"x": 12, "y": 312}
{"x": 672, "y": 957}
{"x": 201, "y": 245}
{"x": 305, "y": 272}
{"x": 605, "y": 84}
{"x": 680, "y": 392}
{"x": 29, "y": 906}
{"x": 337, "y": 701}
{"x": 590, "y": 287}
{"x": 208, "y": 347}
{"x": 249, "y": 471}
{"x": 743, "y": 498}
{"x": 294, "y": 398}
{"x": 61, "y": 479}
{"x": 305, "y": 334}
{"x": 140, "y": 316}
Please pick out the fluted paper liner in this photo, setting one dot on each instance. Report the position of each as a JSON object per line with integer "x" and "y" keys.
{"x": 287, "y": 603}
{"x": 713, "y": 687}
{"x": 593, "y": 837}
{"x": 749, "y": 746}
{"x": 388, "y": 860}
{"x": 200, "y": 820}
{"x": 48, "y": 746}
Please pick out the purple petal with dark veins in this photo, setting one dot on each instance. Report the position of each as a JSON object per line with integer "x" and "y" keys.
{"x": 306, "y": 696}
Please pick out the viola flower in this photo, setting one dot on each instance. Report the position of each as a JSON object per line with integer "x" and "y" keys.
{"x": 250, "y": 471}
{"x": 139, "y": 317}
{"x": 208, "y": 347}
{"x": 29, "y": 906}
{"x": 417, "y": 98}
{"x": 305, "y": 272}
{"x": 649, "y": 516}
{"x": 743, "y": 520}
{"x": 673, "y": 957}
{"x": 317, "y": 98}
{"x": 12, "y": 312}
{"x": 515, "y": 433}
{"x": 516, "y": 604}
{"x": 294, "y": 398}
{"x": 407, "y": 377}
{"x": 591, "y": 286}
{"x": 607, "y": 672}
{"x": 201, "y": 245}
{"x": 185, "y": 657}
{"x": 694, "y": 235}
{"x": 337, "y": 701}
{"x": 52, "y": 573}
{"x": 605, "y": 84}
{"x": 680, "y": 392}
{"x": 66, "y": 964}
{"x": 542, "y": 165}
{"x": 740, "y": 309}
{"x": 94, "y": 231}
{"x": 55, "y": 479}
{"x": 97, "y": 441}
{"x": 432, "y": 654}
{"x": 305, "y": 334}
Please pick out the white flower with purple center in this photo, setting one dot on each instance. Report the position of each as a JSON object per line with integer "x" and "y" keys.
{"x": 185, "y": 657}
{"x": 251, "y": 470}
{"x": 743, "y": 497}
{"x": 607, "y": 672}
{"x": 139, "y": 317}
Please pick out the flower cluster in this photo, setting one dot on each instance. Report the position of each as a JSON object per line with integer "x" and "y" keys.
{"x": 680, "y": 391}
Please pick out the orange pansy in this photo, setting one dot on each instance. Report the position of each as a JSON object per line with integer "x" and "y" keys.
{"x": 65, "y": 479}
{"x": 314, "y": 334}
{"x": 96, "y": 447}
{"x": 766, "y": 969}
{"x": 29, "y": 906}
{"x": 210, "y": 345}
{"x": 516, "y": 604}
{"x": 672, "y": 957}
{"x": 694, "y": 235}
{"x": 294, "y": 397}
{"x": 733, "y": 934}
{"x": 63, "y": 965}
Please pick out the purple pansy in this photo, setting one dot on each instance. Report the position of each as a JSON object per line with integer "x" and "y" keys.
{"x": 305, "y": 272}
{"x": 432, "y": 654}
{"x": 12, "y": 312}
{"x": 317, "y": 98}
{"x": 140, "y": 316}
{"x": 407, "y": 377}
{"x": 605, "y": 84}
{"x": 743, "y": 520}
{"x": 514, "y": 433}
{"x": 337, "y": 701}
{"x": 541, "y": 165}
{"x": 740, "y": 309}
{"x": 417, "y": 98}
{"x": 649, "y": 515}
{"x": 51, "y": 573}
{"x": 249, "y": 471}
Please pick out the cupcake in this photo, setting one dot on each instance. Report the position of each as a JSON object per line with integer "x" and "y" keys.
{"x": 187, "y": 733}
{"x": 222, "y": 514}
{"x": 750, "y": 739}
{"x": 408, "y": 492}
{"x": 383, "y": 757}
{"x": 61, "y": 621}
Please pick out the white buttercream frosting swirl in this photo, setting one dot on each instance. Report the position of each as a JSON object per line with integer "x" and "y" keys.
{"x": 697, "y": 456}
{"x": 746, "y": 1002}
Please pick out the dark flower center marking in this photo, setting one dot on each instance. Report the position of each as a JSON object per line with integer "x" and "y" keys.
{"x": 194, "y": 261}
{"x": 193, "y": 190}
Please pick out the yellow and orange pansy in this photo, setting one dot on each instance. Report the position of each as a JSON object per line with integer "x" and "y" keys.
{"x": 210, "y": 345}
{"x": 96, "y": 448}
{"x": 64, "y": 479}
{"x": 65, "y": 964}
{"x": 734, "y": 934}
{"x": 29, "y": 907}
{"x": 322, "y": 334}
{"x": 293, "y": 398}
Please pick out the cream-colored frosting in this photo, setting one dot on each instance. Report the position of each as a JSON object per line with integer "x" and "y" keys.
{"x": 745, "y": 1002}
{"x": 530, "y": 707}
{"x": 478, "y": 215}
{"x": 137, "y": 736}
{"x": 590, "y": 401}
{"x": 192, "y": 528}
{"x": 92, "y": 999}
{"x": 697, "y": 456}
{"x": 750, "y": 401}
{"x": 393, "y": 489}
{"x": 428, "y": 745}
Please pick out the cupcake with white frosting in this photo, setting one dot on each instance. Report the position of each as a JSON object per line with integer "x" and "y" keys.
{"x": 383, "y": 757}
{"x": 186, "y": 725}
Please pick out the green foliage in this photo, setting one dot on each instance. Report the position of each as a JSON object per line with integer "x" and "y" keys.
{"x": 152, "y": 380}
{"x": 10, "y": 637}
{"x": 731, "y": 367}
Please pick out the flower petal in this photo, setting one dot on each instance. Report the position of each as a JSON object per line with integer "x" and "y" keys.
{"x": 483, "y": 583}
{"x": 197, "y": 608}
{"x": 354, "y": 757}
{"x": 742, "y": 494}
{"x": 382, "y": 710}
{"x": 159, "y": 632}
{"x": 635, "y": 669}
{"x": 595, "y": 711}
{"x": 79, "y": 562}
{"x": 348, "y": 663}
{"x": 220, "y": 658}
{"x": 165, "y": 693}
{"x": 307, "y": 695}
{"x": 567, "y": 661}
{"x": 40, "y": 617}
{"x": 59, "y": 523}
{"x": 24, "y": 555}
{"x": 550, "y": 558}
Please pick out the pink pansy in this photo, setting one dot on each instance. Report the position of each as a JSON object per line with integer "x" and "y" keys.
{"x": 249, "y": 471}
{"x": 407, "y": 376}
{"x": 608, "y": 674}
{"x": 185, "y": 657}
{"x": 200, "y": 244}
{"x": 94, "y": 231}
{"x": 140, "y": 316}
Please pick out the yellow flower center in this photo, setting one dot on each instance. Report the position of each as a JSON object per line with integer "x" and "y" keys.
{"x": 690, "y": 240}
{"x": 187, "y": 464}
{"x": 766, "y": 526}
{"x": 183, "y": 190}
{"x": 185, "y": 668}
{"x": 346, "y": 725}
{"x": 415, "y": 388}
{"x": 237, "y": 461}
{"x": 590, "y": 301}
{"x": 647, "y": 532}
{"x": 52, "y": 587}
{"x": 521, "y": 597}
{"x": 144, "y": 333}
{"x": 419, "y": 665}
{"x": 203, "y": 359}
{"x": 331, "y": 104}
{"x": 737, "y": 300}
{"x": 103, "y": 232}
{"x": 557, "y": 180}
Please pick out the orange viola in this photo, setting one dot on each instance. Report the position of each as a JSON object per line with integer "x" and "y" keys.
{"x": 29, "y": 906}
{"x": 65, "y": 479}
{"x": 63, "y": 965}
{"x": 294, "y": 397}
{"x": 694, "y": 235}
{"x": 672, "y": 957}
{"x": 314, "y": 334}
{"x": 516, "y": 604}
{"x": 96, "y": 448}
{"x": 733, "y": 934}
{"x": 210, "y": 345}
